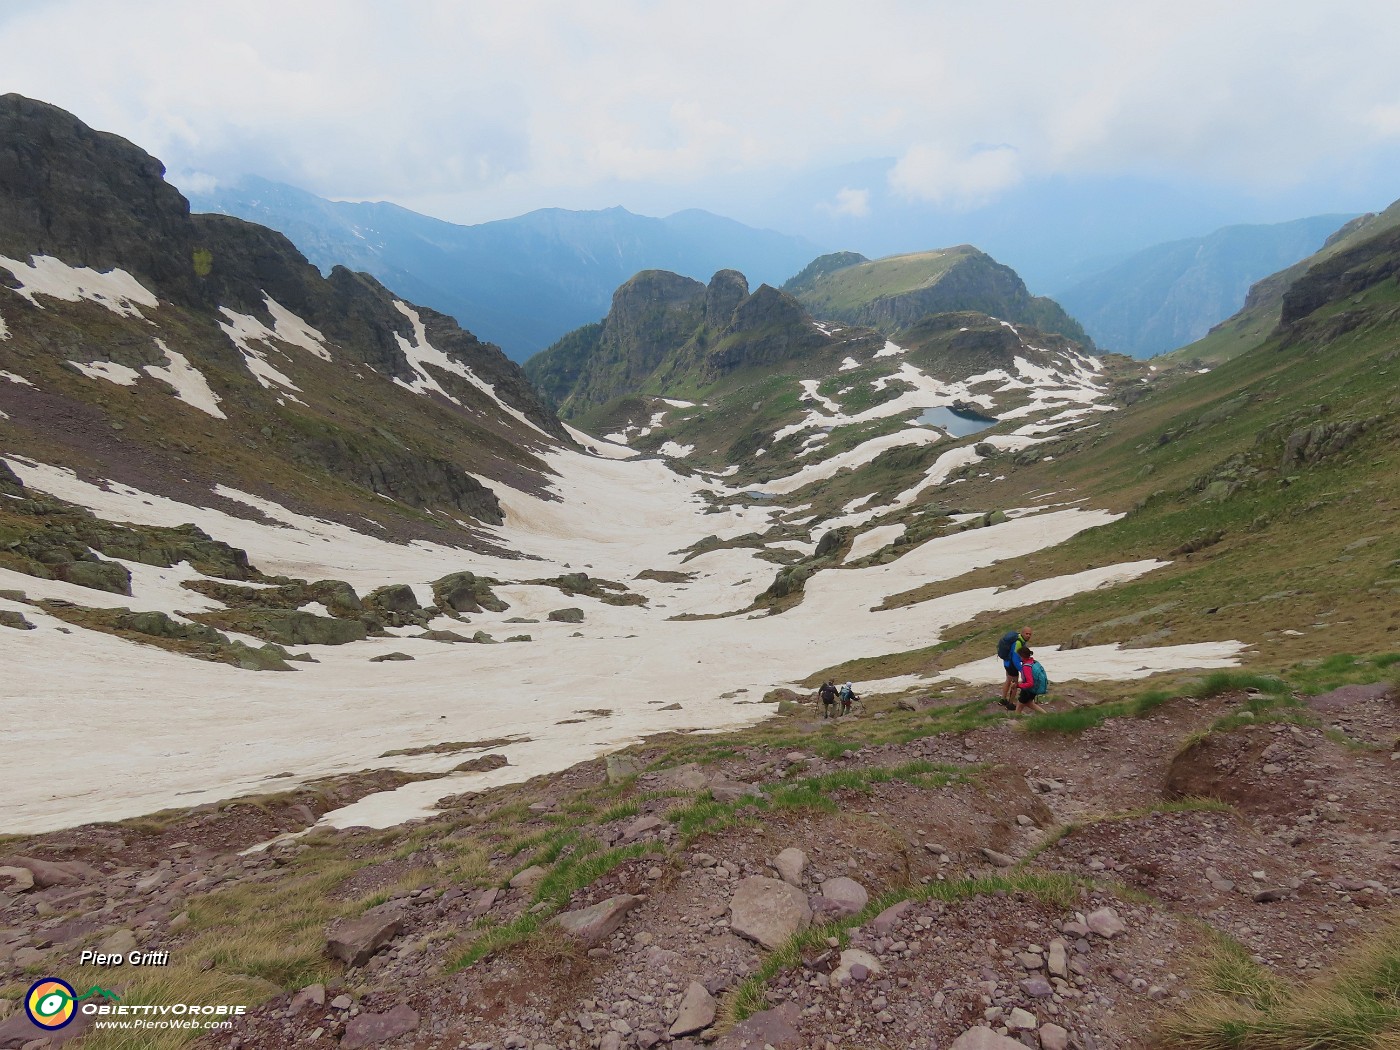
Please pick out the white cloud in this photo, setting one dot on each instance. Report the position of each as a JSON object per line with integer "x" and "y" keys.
{"x": 486, "y": 108}
{"x": 960, "y": 180}
{"x": 855, "y": 203}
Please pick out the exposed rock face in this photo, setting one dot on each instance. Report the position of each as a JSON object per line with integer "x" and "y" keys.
{"x": 466, "y": 592}
{"x": 334, "y": 417}
{"x": 768, "y": 911}
{"x": 106, "y": 205}
{"x": 727, "y": 289}
{"x": 663, "y": 327}
{"x": 1345, "y": 274}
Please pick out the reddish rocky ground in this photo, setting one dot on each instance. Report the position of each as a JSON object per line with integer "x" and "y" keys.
{"x": 1059, "y": 892}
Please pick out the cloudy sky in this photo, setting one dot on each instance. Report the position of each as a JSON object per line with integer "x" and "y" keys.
{"x": 848, "y": 122}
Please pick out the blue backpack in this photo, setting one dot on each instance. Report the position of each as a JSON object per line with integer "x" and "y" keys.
{"x": 1042, "y": 680}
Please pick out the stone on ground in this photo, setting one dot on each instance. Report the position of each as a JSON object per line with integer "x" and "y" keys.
{"x": 776, "y": 1028}
{"x": 595, "y": 923}
{"x": 355, "y": 941}
{"x": 1053, "y": 1037}
{"x": 768, "y": 911}
{"x": 843, "y": 895}
{"x": 886, "y": 921}
{"x": 855, "y": 965}
{"x": 697, "y": 1010}
{"x": 527, "y": 877}
{"x": 790, "y": 864}
{"x": 373, "y": 1029}
{"x": 983, "y": 1038}
{"x": 1105, "y": 922}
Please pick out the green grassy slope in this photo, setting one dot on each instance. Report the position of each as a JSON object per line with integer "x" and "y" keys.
{"x": 894, "y": 293}
{"x": 1260, "y": 315}
{"x": 1271, "y": 483}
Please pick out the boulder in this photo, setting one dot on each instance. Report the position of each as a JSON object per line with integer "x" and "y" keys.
{"x": 569, "y": 615}
{"x": 11, "y": 618}
{"x": 790, "y": 864}
{"x": 481, "y": 765}
{"x": 45, "y": 873}
{"x": 118, "y": 942}
{"x": 776, "y": 1028}
{"x": 19, "y": 879}
{"x": 355, "y": 941}
{"x": 1001, "y": 860}
{"x": 886, "y": 921}
{"x": 1105, "y": 922}
{"x": 726, "y": 790}
{"x": 594, "y": 924}
{"x": 843, "y": 895}
{"x": 527, "y": 877}
{"x": 768, "y": 911}
{"x": 641, "y": 826}
{"x": 620, "y": 767}
{"x": 983, "y": 1038}
{"x": 689, "y": 777}
{"x": 466, "y": 592}
{"x": 1053, "y": 1037}
{"x": 697, "y": 1012}
{"x": 386, "y": 657}
{"x": 373, "y": 1029}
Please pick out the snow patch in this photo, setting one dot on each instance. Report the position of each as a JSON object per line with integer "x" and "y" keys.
{"x": 108, "y": 370}
{"x": 12, "y": 378}
{"x": 188, "y": 382}
{"x": 44, "y": 275}
{"x": 849, "y": 363}
{"x": 671, "y": 448}
{"x": 420, "y": 353}
{"x": 600, "y": 446}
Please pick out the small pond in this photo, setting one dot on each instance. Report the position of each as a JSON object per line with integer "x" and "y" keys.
{"x": 957, "y": 422}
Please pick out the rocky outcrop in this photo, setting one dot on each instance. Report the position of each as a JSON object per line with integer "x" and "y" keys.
{"x": 1344, "y": 275}
{"x": 664, "y": 329}
{"x": 355, "y": 941}
{"x": 465, "y": 592}
{"x": 892, "y": 294}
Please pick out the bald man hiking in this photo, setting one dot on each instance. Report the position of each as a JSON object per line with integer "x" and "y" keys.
{"x": 1009, "y": 649}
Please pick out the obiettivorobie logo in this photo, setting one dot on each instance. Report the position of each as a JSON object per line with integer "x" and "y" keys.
{"x": 52, "y": 1003}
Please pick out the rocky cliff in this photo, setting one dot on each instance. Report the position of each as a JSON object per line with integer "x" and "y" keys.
{"x": 893, "y": 293}
{"x": 667, "y": 331}
{"x": 165, "y": 350}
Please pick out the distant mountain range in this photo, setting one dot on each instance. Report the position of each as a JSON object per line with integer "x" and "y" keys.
{"x": 1172, "y": 294}
{"x": 522, "y": 282}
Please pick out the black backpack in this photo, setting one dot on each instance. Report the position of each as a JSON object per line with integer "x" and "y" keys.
{"x": 1007, "y": 643}
{"x": 828, "y": 693}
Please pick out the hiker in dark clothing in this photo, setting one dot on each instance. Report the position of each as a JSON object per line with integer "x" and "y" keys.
{"x": 1009, "y": 650}
{"x": 827, "y": 695}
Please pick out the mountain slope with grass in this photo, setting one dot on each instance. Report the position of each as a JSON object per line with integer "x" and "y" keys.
{"x": 188, "y": 355}
{"x": 1260, "y": 315}
{"x": 521, "y": 282}
{"x": 895, "y": 292}
{"x": 556, "y": 774}
{"x": 1172, "y": 294}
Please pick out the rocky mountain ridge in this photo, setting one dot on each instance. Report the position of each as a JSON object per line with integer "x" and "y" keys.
{"x": 521, "y": 282}
{"x": 116, "y": 297}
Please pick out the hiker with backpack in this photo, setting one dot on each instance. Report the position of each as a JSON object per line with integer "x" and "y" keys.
{"x": 827, "y": 695}
{"x": 1033, "y": 684}
{"x": 848, "y": 696}
{"x": 1009, "y": 649}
